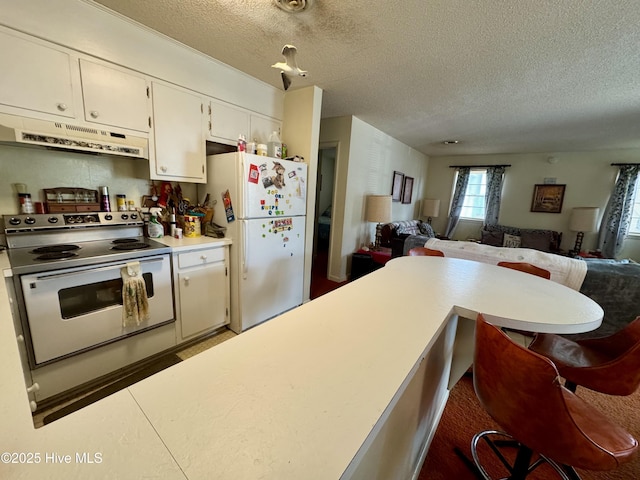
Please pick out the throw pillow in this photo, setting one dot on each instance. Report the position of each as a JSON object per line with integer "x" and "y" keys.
{"x": 511, "y": 241}
{"x": 425, "y": 229}
{"x": 493, "y": 238}
{"x": 537, "y": 241}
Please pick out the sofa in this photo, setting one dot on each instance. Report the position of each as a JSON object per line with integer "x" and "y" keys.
{"x": 403, "y": 235}
{"x": 537, "y": 239}
{"x": 613, "y": 284}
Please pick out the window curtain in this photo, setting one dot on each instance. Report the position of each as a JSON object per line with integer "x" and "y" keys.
{"x": 617, "y": 214}
{"x": 458, "y": 200}
{"x": 495, "y": 175}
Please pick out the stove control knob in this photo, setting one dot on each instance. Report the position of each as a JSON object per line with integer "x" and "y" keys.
{"x": 89, "y": 219}
{"x": 29, "y": 220}
{"x": 52, "y": 219}
{"x": 108, "y": 217}
{"x": 79, "y": 219}
{"x": 124, "y": 216}
{"x": 15, "y": 221}
{"x": 134, "y": 216}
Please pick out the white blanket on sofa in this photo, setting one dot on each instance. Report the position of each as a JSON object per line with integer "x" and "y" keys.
{"x": 564, "y": 270}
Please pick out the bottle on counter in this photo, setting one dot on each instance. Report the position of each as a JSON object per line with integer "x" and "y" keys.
{"x": 105, "y": 204}
{"x": 26, "y": 206}
{"x": 274, "y": 145}
{"x": 156, "y": 230}
{"x": 172, "y": 225}
{"x": 262, "y": 149}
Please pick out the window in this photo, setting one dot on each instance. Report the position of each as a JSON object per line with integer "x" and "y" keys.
{"x": 634, "y": 227}
{"x": 474, "y": 201}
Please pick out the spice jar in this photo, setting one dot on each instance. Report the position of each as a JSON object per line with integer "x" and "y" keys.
{"x": 121, "y": 201}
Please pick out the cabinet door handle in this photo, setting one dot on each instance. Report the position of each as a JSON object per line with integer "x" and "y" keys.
{"x": 33, "y": 388}
{"x": 61, "y": 106}
{"x": 186, "y": 280}
{"x": 203, "y": 257}
{"x": 163, "y": 169}
{"x": 94, "y": 114}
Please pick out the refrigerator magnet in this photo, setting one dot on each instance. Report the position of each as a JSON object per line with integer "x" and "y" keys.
{"x": 228, "y": 208}
{"x": 253, "y": 173}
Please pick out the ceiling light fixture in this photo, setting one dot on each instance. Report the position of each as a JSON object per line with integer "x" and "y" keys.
{"x": 451, "y": 142}
{"x": 294, "y": 6}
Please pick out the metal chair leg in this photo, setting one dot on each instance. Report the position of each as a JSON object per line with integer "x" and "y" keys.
{"x": 522, "y": 465}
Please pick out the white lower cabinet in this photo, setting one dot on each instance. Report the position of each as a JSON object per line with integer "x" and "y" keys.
{"x": 201, "y": 279}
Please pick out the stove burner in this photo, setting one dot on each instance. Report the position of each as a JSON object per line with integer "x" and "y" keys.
{"x": 125, "y": 240}
{"x": 56, "y": 255}
{"x": 56, "y": 249}
{"x": 130, "y": 246}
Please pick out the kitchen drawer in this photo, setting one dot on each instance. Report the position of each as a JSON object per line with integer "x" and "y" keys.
{"x": 57, "y": 208}
{"x": 200, "y": 257}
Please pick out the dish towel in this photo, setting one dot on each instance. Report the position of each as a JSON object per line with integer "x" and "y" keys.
{"x": 135, "y": 306}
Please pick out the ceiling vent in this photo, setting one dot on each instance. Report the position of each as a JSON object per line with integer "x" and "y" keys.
{"x": 294, "y": 6}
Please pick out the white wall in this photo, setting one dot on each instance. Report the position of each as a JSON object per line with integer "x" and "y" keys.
{"x": 589, "y": 178}
{"x": 39, "y": 168}
{"x": 301, "y": 133}
{"x": 365, "y": 162}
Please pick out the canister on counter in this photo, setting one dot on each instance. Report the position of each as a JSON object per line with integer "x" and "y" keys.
{"x": 121, "y": 201}
{"x": 192, "y": 226}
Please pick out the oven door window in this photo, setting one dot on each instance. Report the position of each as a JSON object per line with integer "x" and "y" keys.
{"x": 83, "y": 299}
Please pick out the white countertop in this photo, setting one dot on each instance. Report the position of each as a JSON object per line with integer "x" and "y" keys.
{"x": 195, "y": 243}
{"x": 292, "y": 398}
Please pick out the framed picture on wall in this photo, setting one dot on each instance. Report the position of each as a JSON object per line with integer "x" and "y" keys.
{"x": 396, "y": 187}
{"x": 547, "y": 198}
{"x": 407, "y": 190}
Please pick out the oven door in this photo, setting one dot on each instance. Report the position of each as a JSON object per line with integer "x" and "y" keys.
{"x": 72, "y": 310}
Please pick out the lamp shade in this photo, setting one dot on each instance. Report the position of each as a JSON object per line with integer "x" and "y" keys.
{"x": 584, "y": 219}
{"x": 378, "y": 208}
{"x": 430, "y": 207}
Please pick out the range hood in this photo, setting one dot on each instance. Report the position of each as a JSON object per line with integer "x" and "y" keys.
{"x": 65, "y": 136}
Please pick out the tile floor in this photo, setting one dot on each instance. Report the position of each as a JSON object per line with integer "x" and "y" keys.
{"x": 185, "y": 353}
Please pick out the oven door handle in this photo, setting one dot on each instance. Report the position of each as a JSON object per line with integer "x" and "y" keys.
{"x": 100, "y": 269}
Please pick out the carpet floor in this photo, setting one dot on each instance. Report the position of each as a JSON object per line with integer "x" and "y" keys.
{"x": 463, "y": 417}
{"x": 157, "y": 366}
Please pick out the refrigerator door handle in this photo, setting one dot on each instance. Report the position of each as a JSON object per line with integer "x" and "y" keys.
{"x": 245, "y": 249}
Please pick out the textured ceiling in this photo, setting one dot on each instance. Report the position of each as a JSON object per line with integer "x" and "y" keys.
{"x": 501, "y": 76}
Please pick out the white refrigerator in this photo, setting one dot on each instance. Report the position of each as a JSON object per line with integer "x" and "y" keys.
{"x": 262, "y": 203}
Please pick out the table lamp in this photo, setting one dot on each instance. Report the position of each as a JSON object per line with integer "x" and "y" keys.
{"x": 583, "y": 219}
{"x": 430, "y": 208}
{"x": 379, "y": 211}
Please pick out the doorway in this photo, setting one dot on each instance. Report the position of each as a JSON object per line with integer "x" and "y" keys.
{"x": 323, "y": 220}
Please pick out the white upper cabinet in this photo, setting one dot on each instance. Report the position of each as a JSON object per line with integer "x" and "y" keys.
{"x": 114, "y": 97}
{"x": 35, "y": 77}
{"x": 262, "y": 127}
{"x": 227, "y": 122}
{"x": 179, "y": 140}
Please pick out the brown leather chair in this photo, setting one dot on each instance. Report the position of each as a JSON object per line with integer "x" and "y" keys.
{"x": 527, "y": 268}
{"x": 521, "y": 391}
{"x": 608, "y": 365}
{"x": 425, "y": 252}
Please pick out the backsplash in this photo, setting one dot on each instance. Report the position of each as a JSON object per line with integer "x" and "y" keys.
{"x": 40, "y": 168}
